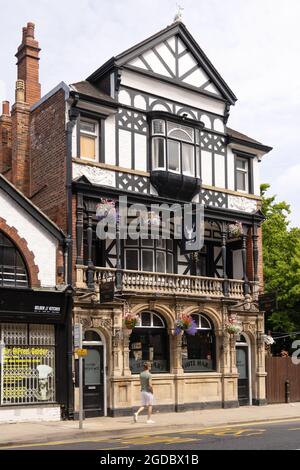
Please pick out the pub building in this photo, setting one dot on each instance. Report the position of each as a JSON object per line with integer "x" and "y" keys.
{"x": 149, "y": 124}
{"x": 34, "y": 306}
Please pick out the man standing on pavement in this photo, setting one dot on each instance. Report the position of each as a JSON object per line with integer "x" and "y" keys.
{"x": 146, "y": 393}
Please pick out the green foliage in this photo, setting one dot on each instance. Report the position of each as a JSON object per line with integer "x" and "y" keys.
{"x": 281, "y": 251}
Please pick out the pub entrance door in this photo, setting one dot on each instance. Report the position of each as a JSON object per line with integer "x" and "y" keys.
{"x": 93, "y": 375}
{"x": 242, "y": 363}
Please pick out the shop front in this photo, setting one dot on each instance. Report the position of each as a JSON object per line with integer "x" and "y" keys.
{"x": 33, "y": 366}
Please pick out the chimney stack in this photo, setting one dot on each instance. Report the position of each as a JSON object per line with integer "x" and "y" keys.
{"x": 5, "y": 139}
{"x": 28, "y": 65}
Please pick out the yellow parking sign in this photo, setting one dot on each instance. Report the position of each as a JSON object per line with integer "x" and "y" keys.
{"x": 81, "y": 352}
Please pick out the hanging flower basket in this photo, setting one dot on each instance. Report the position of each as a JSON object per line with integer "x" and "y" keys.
{"x": 233, "y": 327}
{"x": 149, "y": 218}
{"x": 185, "y": 324}
{"x": 131, "y": 321}
{"x": 106, "y": 209}
{"x": 235, "y": 230}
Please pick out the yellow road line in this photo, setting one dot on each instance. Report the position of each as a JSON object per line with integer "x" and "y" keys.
{"x": 170, "y": 431}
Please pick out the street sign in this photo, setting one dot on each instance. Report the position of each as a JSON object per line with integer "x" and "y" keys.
{"x": 77, "y": 335}
{"x": 268, "y": 302}
{"x": 107, "y": 292}
{"x": 81, "y": 352}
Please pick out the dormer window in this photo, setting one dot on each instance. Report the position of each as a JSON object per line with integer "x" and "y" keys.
{"x": 89, "y": 139}
{"x": 174, "y": 148}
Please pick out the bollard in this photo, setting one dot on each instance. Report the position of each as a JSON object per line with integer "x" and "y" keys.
{"x": 287, "y": 391}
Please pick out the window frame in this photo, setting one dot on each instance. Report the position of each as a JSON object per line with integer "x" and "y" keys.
{"x": 239, "y": 155}
{"x": 213, "y": 351}
{"x": 15, "y": 283}
{"x": 99, "y": 136}
{"x": 155, "y": 248}
{"x": 145, "y": 330}
{"x": 194, "y": 143}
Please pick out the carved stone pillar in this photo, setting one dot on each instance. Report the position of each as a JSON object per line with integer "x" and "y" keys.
{"x": 224, "y": 258}
{"x": 90, "y": 270}
{"x": 117, "y": 343}
{"x": 79, "y": 229}
{"x": 126, "y": 342}
{"x": 244, "y": 258}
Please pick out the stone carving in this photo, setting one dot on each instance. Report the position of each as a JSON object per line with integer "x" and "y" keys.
{"x": 243, "y": 204}
{"x": 102, "y": 323}
{"x": 94, "y": 174}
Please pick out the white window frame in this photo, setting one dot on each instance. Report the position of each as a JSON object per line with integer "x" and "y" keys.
{"x": 90, "y": 134}
{"x": 244, "y": 171}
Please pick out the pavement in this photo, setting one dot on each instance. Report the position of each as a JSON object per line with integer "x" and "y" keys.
{"x": 29, "y": 433}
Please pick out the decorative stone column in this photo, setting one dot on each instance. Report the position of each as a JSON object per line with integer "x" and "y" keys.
{"x": 261, "y": 374}
{"x": 126, "y": 341}
{"x": 117, "y": 336}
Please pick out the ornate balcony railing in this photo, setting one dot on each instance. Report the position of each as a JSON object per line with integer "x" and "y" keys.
{"x": 159, "y": 283}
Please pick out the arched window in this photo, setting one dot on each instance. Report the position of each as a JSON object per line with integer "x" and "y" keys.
{"x": 198, "y": 352}
{"x": 13, "y": 272}
{"x": 149, "y": 342}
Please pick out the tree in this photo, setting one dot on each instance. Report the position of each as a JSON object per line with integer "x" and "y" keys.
{"x": 281, "y": 252}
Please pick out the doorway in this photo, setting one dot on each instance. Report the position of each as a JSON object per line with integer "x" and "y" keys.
{"x": 93, "y": 376}
{"x": 244, "y": 370}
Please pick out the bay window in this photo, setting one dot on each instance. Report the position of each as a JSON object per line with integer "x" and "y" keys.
{"x": 175, "y": 148}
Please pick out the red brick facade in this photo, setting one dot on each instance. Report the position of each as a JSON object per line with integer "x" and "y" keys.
{"x": 48, "y": 158}
{"x": 5, "y": 138}
{"x": 22, "y": 246}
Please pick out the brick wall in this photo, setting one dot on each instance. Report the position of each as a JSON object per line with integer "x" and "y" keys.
{"x": 260, "y": 260}
{"x": 48, "y": 158}
{"x": 5, "y": 139}
{"x": 20, "y": 150}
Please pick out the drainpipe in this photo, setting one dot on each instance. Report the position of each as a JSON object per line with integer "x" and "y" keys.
{"x": 73, "y": 115}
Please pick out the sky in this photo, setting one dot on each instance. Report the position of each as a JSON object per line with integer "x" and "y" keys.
{"x": 254, "y": 45}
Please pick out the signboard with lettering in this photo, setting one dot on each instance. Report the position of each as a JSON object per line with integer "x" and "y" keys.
{"x": 107, "y": 292}
{"x": 30, "y": 304}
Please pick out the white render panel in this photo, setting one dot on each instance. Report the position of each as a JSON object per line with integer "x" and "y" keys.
{"x": 39, "y": 241}
{"x": 230, "y": 169}
{"x": 155, "y": 64}
{"x": 140, "y": 152}
{"x": 74, "y": 141}
{"x": 256, "y": 176}
{"x": 29, "y": 414}
{"x": 138, "y": 63}
{"x": 218, "y": 125}
{"x": 172, "y": 92}
{"x": 220, "y": 171}
{"x": 139, "y": 102}
{"x": 212, "y": 89}
{"x": 206, "y": 167}
{"x": 181, "y": 46}
{"x": 171, "y": 43}
{"x": 124, "y": 97}
{"x": 186, "y": 63}
{"x": 167, "y": 56}
{"x": 197, "y": 78}
{"x": 94, "y": 174}
{"x": 206, "y": 121}
{"x": 124, "y": 148}
{"x": 237, "y": 264}
{"x": 242, "y": 204}
{"x": 110, "y": 140}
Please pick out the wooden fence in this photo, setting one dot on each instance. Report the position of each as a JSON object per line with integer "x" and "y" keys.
{"x": 283, "y": 380}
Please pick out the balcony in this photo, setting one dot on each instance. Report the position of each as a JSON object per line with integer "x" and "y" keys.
{"x": 138, "y": 282}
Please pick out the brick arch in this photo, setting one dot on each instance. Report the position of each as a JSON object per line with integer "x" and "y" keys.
{"x": 28, "y": 256}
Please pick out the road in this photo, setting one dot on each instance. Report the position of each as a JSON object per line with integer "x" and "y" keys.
{"x": 280, "y": 435}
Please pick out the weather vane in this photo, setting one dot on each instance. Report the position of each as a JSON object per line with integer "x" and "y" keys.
{"x": 178, "y": 16}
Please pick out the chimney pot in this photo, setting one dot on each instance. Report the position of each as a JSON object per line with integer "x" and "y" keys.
{"x": 5, "y": 108}
{"x": 30, "y": 30}
{"x": 24, "y": 34}
{"x": 20, "y": 91}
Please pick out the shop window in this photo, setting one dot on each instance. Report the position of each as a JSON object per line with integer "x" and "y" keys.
{"x": 149, "y": 342}
{"x": 198, "y": 352}
{"x": 27, "y": 371}
{"x": 13, "y": 272}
